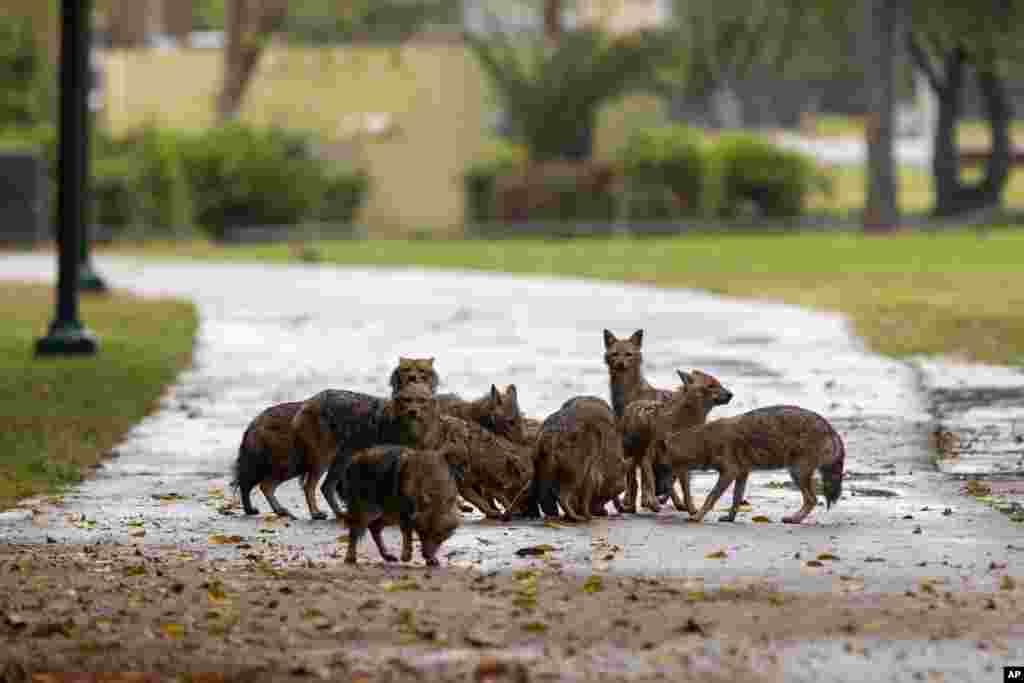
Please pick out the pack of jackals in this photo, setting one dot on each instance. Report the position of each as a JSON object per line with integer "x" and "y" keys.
{"x": 407, "y": 459}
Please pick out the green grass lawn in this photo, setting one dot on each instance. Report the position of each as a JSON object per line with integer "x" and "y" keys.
{"x": 60, "y": 416}
{"x": 952, "y": 292}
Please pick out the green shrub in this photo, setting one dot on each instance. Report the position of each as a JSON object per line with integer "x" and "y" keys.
{"x": 242, "y": 176}
{"x": 344, "y": 193}
{"x": 669, "y": 157}
{"x": 481, "y": 177}
{"x": 24, "y": 86}
{"x": 748, "y": 171}
{"x": 114, "y": 197}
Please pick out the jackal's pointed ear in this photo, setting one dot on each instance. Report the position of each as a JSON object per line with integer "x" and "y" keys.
{"x": 637, "y": 338}
{"x": 495, "y": 395}
{"x": 609, "y": 339}
{"x": 685, "y": 377}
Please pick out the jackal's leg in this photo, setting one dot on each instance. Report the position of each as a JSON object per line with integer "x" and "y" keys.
{"x": 356, "y": 530}
{"x": 407, "y": 544}
{"x": 648, "y": 499}
{"x": 330, "y": 488}
{"x": 376, "y": 527}
{"x": 268, "y": 487}
{"x": 804, "y": 479}
{"x": 725, "y": 479}
{"x": 587, "y": 497}
{"x": 309, "y": 488}
{"x": 567, "y": 507}
{"x": 481, "y": 503}
{"x": 629, "y": 504}
{"x": 737, "y": 498}
{"x": 245, "y": 491}
{"x": 687, "y": 504}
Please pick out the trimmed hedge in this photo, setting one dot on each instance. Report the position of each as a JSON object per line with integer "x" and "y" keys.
{"x": 662, "y": 174}
{"x": 163, "y": 182}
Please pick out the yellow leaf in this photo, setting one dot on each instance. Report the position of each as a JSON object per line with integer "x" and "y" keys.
{"x": 221, "y": 539}
{"x": 1007, "y": 583}
{"x": 135, "y": 570}
{"x": 524, "y": 574}
{"x": 717, "y": 555}
{"x": 216, "y": 592}
{"x": 760, "y": 519}
{"x": 695, "y": 596}
{"x": 402, "y": 585}
{"x": 745, "y": 508}
{"x": 535, "y": 627}
{"x": 827, "y": 556}
{"x": 135, "y": 522}
{"x": 593, "y": 585}
{"x": 551, "y": 524}
{"x": 173, "y": 631}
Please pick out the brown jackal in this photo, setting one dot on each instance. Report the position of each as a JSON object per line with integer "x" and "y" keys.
{"x": 495, "y": 469}
{"x": 645, "y": 420}
{"x": 578, "y": 459}
{"x": 773, "y": 437}
{"x": 387, "y": 485}
{"x": 267, "y": 457}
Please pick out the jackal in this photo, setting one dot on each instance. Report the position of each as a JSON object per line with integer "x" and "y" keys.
{"x": 645, "y": 420}
{"x": 578, "y": 459}
{"x": 773, "y": 437}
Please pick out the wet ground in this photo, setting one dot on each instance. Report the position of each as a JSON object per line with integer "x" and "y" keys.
{"x": 273, "y": 333}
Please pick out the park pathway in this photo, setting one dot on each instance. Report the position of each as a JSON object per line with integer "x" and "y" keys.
{"x": 275, "y": 333}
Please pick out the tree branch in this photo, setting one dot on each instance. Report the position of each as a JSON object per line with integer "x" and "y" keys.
{"x": 924, "y": 62}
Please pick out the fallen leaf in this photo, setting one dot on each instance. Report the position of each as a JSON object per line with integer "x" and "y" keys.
{"x": 535, "y": 627}
{"x": 135, "y": 570}
{"x": 717, "y": 555}
{"x": 1007, "y": 583}
{"x": 221, "y": 539}
{"x": 814, "y": 563}
{"x": 978, "y": 488}
{"x": 874, "y": 559}
{"x": 135, "y": 522}
{"x": 760, "y": 519}
{"x": 827, "y": 556}
{"x": 552, "y": 525}
{"x": 401, "y": 585}
{"x": 593, "y": 584}
{"x": 535, "y": 550}
{"x": 173, "y": 631}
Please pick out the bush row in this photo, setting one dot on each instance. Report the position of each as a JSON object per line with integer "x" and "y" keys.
{"x": 662, "y": 173}
{"x": 166, "y": 182}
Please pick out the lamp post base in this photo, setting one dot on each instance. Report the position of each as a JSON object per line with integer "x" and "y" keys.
{"x": 66, "y": 338}
{"x": 89, "y": 280}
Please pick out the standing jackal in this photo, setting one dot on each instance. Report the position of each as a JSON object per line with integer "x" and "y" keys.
{"x": 267, "y": 457}
{"x": 578, "y": 460}
{"x": 773, "y": 437}
{"x": 646, "y": 420}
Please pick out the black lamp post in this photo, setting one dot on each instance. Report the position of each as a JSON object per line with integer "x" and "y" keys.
{"x": 67, "y": 334}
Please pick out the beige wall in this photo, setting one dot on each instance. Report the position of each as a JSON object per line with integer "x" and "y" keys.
{"x": 411, "y": 116}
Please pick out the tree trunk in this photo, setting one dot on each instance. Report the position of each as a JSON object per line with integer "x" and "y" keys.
{"x": 247, "y": 25}
{"x": 552, "y": 20}
{"x": 881, "y": 212}
{"x": 952, "y": 196}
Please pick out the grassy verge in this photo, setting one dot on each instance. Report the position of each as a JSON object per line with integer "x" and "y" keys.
{"x": 59, "y": 417}
{"x": 951, "y": 292}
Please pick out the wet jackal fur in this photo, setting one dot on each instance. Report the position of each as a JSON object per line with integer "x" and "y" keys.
{"x": 624, "y": 358}
{"x": 494, "y": 468}
{"x": 646, "y": 420}
{"x": 774, "y": 437}
{"x": 328, "y": 429}
{"x": 494, "y": 411}
{"x": 267, "y": 457}
{"x": 578, "y": 459}
{"x": 387, "y": 485}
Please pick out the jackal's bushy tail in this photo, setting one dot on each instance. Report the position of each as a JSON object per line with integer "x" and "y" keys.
{"x": 252, "y": 464}
{"x": 832, "y": 473}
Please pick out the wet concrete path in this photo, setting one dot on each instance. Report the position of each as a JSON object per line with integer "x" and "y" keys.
{"x": 276, "y": 333}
